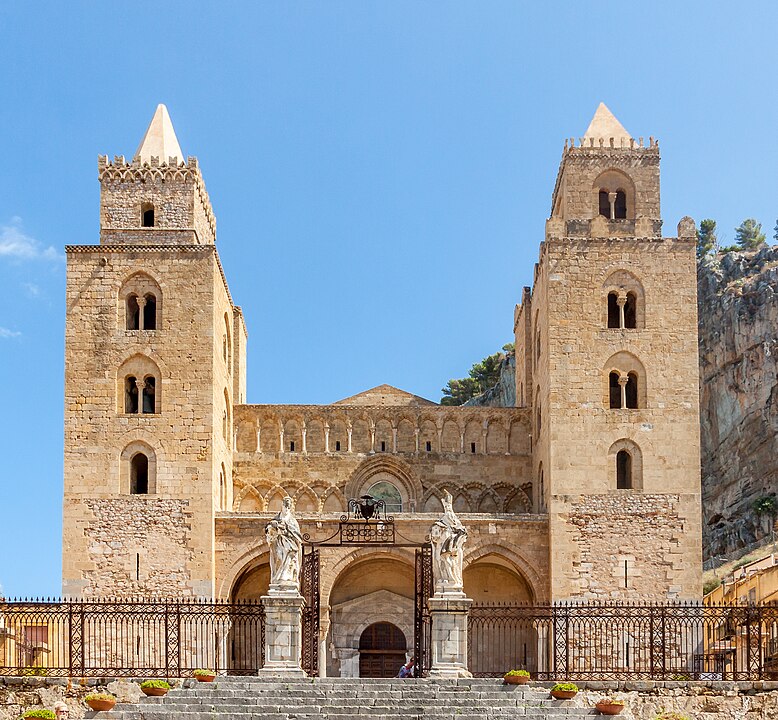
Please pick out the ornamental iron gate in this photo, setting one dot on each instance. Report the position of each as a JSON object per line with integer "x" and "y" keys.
{"x": 365, "y": 524}
{"x": 309, "y": 588}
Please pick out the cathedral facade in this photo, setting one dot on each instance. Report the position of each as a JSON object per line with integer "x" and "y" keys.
{"x": 588, "y": 489}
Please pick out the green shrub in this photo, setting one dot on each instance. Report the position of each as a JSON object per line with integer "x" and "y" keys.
{"x": 203, "y": 671}
{"x": 100, "y": 696}
{"x": 155, "y": 684}
{"x": 710, "y": 585}
{"x": 565, "y": 687}
{"x": 42, "y": 714}
{"x": 519, "y": 673}
{"x": 33, "y": 671}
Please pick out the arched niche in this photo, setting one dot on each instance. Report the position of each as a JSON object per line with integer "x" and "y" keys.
{"x": 492, "y": 579}
{"x": 617, "y": 453}
{"x": 624, "y": 283}
{"x": 624, "y": 363}
{"x": 623, "y": 189}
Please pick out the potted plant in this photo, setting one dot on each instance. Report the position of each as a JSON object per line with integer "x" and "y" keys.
{"x": 203, "y": 675}
{"x": 609, "y": 705}
{"x": 41, "y": 714}
{"x": 100, "y": 701}
{"x": 155, "y": 688}
{"x": 516, "y": 677}
{"x": 564, "y": 691}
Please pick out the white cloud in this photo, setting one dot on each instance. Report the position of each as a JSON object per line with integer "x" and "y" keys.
{"x": 31, "y": 289}
{"x": 16, "y": 244}
{"x": 6, "y": 333}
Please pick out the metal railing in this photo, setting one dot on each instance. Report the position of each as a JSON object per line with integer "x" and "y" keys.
{"x": 130, "y": 638}
{"x": 610, "y": 640}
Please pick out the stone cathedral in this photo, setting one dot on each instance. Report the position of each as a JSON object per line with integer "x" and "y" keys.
{"x": 589, "y": 488}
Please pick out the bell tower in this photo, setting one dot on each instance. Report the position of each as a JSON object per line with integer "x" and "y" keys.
{"x": 608, "y": 343}
{"x": 155, "y": 351}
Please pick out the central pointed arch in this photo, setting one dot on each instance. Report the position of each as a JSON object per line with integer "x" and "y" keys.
{"x": 385, "y": 468}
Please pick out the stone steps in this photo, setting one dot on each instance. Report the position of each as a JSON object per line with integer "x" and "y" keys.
{"x": 243, "y": 698}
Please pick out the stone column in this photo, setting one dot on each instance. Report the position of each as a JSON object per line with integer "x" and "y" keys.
{"x": 349, "y": 430}
{"x": 612, "y": 201}
{"x": 394, "y": 438}
{"x": 623, "y": 380}
{"x": 621, "y": 301}
{"x": 326, "y": 438}
{"x": 141, "y": 306}
{"x": 259, "y": 439}
{"x": 304, "y": 434}
{"x": 449, "y": 635}
{"x": 416, "y": 437}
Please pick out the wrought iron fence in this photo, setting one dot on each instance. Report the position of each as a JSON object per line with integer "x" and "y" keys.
{"x": 609, "y": 640}
{"x": 130, "y": 638}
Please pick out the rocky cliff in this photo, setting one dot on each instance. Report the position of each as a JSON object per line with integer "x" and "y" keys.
{"x": 738, "y": 323}
{"x": 503, "y": 394}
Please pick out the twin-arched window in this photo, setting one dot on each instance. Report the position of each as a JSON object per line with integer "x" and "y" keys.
{"x": 140, "y": 297}
{"x": 615, "y": 195}
{"x": 626, "y": 382}
{"x": 138, "y": 385}
{"x": 624, "y": 301}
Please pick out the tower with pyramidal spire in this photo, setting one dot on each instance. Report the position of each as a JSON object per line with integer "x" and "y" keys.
{"x": 606, "y": 359}
{"x": 155, "y": 358}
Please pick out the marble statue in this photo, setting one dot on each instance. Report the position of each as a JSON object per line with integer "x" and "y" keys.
{"x": 285, "y": 540}
{"x": 448, "y": 536}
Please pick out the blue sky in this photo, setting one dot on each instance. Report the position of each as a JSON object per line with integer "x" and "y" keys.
{"x": 380, "y": 171}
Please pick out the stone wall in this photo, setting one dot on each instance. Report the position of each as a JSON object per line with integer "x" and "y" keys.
{"x": 503, "y": 394}
{"x": 738, "y": 309}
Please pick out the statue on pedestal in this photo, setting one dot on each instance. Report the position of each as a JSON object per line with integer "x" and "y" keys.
{"x": 285, "y": 540}
{"x": 448, "y": 536}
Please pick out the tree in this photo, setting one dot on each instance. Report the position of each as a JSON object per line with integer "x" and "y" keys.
{"x": 483, "y": 375}
{"x": 749, "y": 235}
{"x": 775, "y": 231}
{"x": 706, "y": 237}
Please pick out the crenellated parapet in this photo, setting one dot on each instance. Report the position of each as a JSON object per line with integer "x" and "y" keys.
{"x": 173, "y": 190}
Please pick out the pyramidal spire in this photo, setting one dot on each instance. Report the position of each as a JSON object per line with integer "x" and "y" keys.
{"x": 605, "y": 125}
{"x": 160, "y": 140}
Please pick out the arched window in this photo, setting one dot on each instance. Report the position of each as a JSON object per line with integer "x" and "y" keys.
{"x": 631, "y": 391}
{"x": 130, "y": 394}
{"x": 620, "y": 206}
{"x": 630, "y": 311}
{"x": 614, "y": 314}
{"x": 139, "y": 474}
{"x": 149, "y": 395}
{"x": 141, "y": 297}
{"x": 625, "y": 465}
{"x": 384, "y": 490}
{"x": 132, "y": 312}
{"x": 605, "y": 204}
{"x": 147, "y": 214}
{"x": 150, "y": 312}
{"x": 623, "y": 470}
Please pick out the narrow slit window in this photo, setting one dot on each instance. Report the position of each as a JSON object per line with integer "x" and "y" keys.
{"x": 150, "y": 313}
{"x": 149, "y": 395}
{"x": 623, "y": 470}
{"x": 130, "y": 395}
{"x": 139, "y": 474}
{"x": 383, "y": 446}
{"x": 147, "y": 215}
{"x": 614, "y": 319}
{"x": 472, "y": 448}
{"x": 620, "y": 206}
{"x": 133, "y": 313}
{"x": 337, "y": 446}
{"x": 291, "y": 446}
{"x": 615, "y": 391}
{"x": 429, "y": 446}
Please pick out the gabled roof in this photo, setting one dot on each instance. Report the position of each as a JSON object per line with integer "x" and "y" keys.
{"x": 160, "y": 140}
{"x": 385, "y": 395}
{"x": 605, "y": 125}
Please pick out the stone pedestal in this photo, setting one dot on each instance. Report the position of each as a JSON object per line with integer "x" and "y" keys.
{"x": 283, "y": 635}
{"x": 449, "y": 635}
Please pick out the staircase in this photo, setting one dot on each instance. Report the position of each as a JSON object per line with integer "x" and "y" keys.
{"x": 251, "y": 698}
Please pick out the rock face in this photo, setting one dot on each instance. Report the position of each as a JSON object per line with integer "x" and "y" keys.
{"x": 738, "y": 323}
{"x": 503, "y": 394}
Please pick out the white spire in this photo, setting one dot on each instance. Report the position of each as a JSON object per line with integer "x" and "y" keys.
{"x": 605, "y": 125}
{"x": 160, "y": 139}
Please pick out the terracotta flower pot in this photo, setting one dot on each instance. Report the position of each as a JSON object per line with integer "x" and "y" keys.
{"x": 516, "y": 679}
{"x": 564, "y": 694}
{"x": 205, "y": 678}
{"x": 101, "y": 705}
{"x": 609, "y": 708}
{"x": 154, "y": 691}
